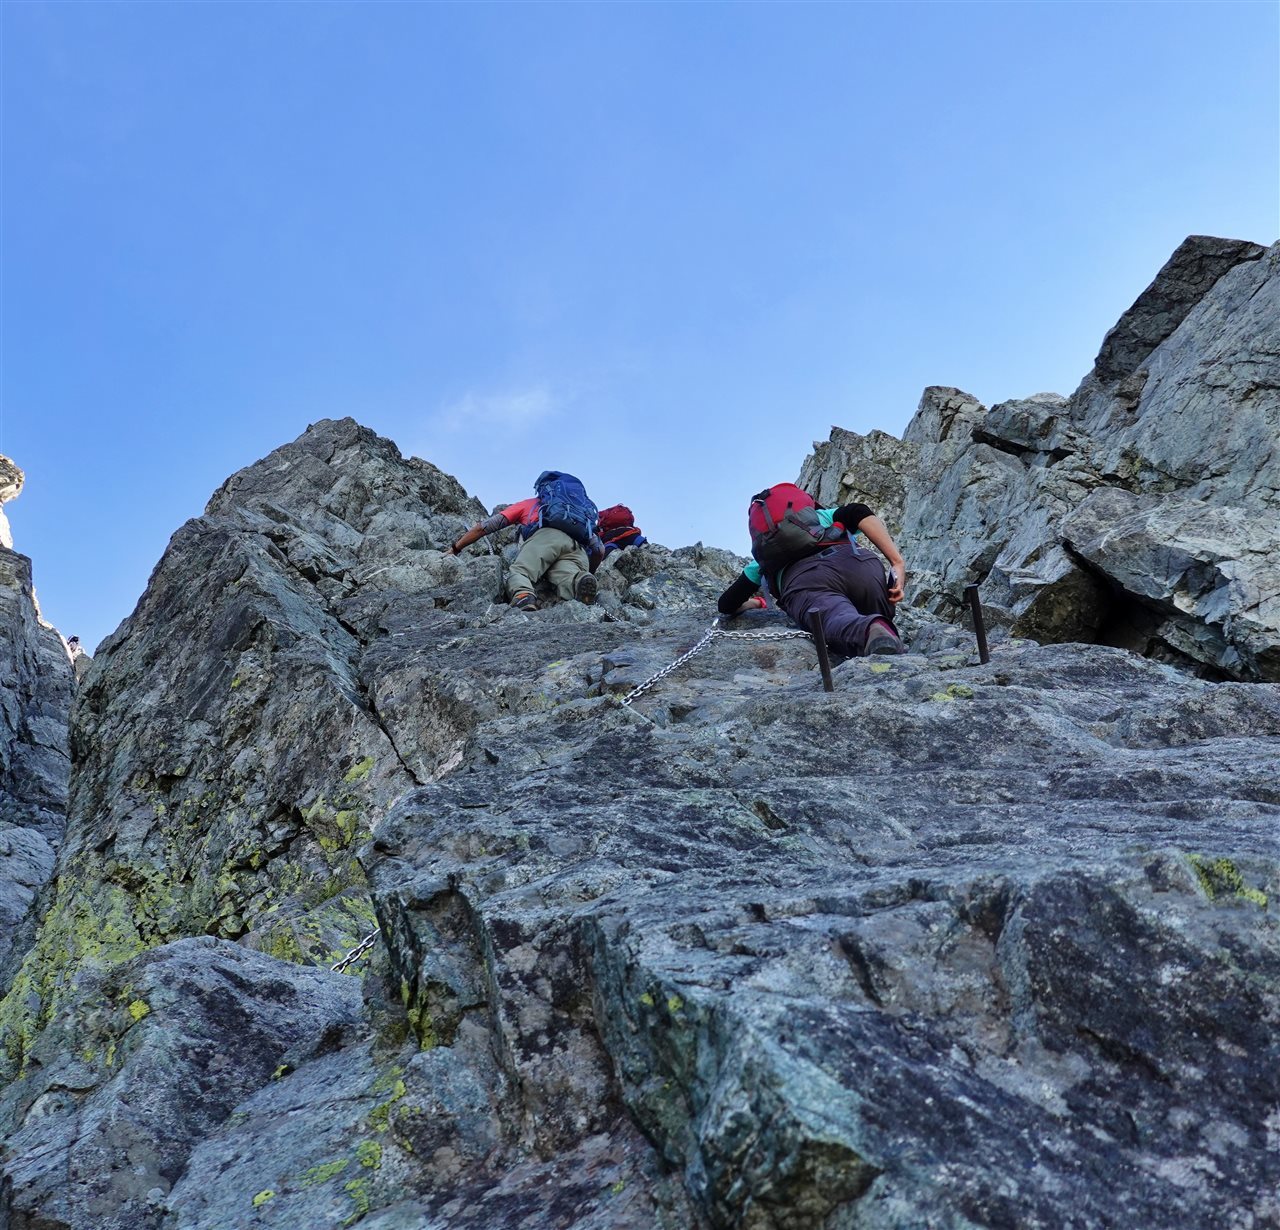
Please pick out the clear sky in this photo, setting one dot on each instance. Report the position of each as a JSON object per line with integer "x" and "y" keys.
{"x": 665, "y": 247}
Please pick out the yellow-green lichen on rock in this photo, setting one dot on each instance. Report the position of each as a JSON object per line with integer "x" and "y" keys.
{"x": 83, "y": 928}
{"x": 1220, "y": 878}
{"x": 419, "y": 1016}
{"x": 379, "y": 1118}
{"x": 359, "y": 771}
{"x": 324, "y": 921}
{"x": 105, "y": 914}
{"x": 360, "y": 1192}
{"x": 323, "y": 1172}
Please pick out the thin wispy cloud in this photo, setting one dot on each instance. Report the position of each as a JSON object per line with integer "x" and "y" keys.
{"x": 513, "y": 410}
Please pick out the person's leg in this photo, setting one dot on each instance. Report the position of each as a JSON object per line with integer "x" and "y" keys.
{"x": 568, "y": 567}
{"x": 865, "y": 583}
{"x": 867, "y": 587}
{"x": 844, "y": 626}
{"x": 540, "y": 551}
{"x": 824, "y": 584}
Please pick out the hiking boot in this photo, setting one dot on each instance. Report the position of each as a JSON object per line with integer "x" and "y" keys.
{"x": 585, "y": 589}
{"x": 883, "y": 639}
{"x": 524, "y": 601}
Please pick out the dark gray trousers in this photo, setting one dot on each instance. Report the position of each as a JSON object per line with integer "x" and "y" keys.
{"x": 847, "y": 587}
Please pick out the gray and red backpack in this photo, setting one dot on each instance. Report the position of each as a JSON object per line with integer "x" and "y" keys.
{"x": 784, "y": 526}
{"x": 617, "y": 525}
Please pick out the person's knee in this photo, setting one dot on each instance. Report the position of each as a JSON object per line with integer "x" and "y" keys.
{"x": 840, "y": 618}
{"x": 844, "y": 636}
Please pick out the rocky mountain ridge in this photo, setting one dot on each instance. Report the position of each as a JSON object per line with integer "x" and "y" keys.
{"x": 957, "y": 944}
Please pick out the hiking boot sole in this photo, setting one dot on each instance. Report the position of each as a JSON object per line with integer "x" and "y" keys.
{"x": 586, "y": 589}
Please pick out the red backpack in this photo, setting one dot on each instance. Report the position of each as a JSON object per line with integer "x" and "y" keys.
{"x": 616, "y": 523}
{"x": 784, "y": 526}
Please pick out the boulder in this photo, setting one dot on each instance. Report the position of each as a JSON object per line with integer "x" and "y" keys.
{"x": 146, "y": 1061}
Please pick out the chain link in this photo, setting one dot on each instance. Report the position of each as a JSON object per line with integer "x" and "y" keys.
{"x": 710, "y": 635}
{"x": 357, "y": 952}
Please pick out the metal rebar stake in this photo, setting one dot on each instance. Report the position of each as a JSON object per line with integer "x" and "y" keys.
{"x": 979, "y": 628}
{"x": 824, "y": 659}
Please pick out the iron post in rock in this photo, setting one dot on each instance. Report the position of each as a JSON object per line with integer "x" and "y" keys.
{"x": 979, "y": 628}
{"x": 824, "y": 659}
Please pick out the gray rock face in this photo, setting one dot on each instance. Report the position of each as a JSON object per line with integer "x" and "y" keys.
{"x": 954, "y": 945}
{"x": 1169, "y": 450}
{"x": 848, "y": 956}
{"x": 1199, "y": 569}
{"x": 236, "y": 739}
{"x": 880, "y": 461}
{"x": 35, "y": 696}
{"x": 160, "y": 1052}
{"x": 26, "y": 863}
{"x": 228, "y": 752}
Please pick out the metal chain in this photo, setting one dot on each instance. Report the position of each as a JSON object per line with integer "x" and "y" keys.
{"x": 710, "y": 635}
{"x": 357, "y": 952}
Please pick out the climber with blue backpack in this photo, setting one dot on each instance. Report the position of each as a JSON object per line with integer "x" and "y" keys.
{"x": 807, "y": 559}
{"x": 558, "y": 526}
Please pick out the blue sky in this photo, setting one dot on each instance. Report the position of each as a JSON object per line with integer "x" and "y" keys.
{"x": 665, "y": 247}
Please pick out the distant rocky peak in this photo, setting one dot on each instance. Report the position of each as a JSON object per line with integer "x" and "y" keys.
{"x": 1187, "y": 276}
{"x": 944, "y": 412}
{"x": 339, "y": 469}
{"x": 11, "y": 480}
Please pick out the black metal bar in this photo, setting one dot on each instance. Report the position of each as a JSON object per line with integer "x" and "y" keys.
{"x": 824, "y": 659}
{"x": 979, "y": 627}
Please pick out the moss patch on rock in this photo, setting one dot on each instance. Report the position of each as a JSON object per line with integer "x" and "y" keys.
{"x": 1220, "y": 877}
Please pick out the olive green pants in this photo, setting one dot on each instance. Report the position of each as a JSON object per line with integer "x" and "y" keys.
{"x": 550, "y": 553}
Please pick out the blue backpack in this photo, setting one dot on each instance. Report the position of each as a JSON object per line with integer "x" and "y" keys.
{"x": 564, "y": 505}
